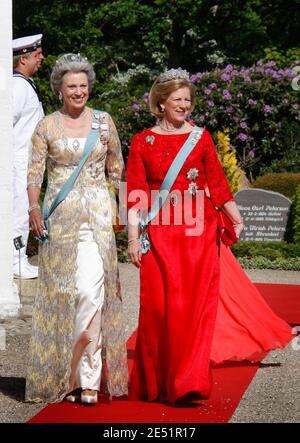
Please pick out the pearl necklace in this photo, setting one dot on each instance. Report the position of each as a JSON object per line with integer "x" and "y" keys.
{"x": 172, "y": 129}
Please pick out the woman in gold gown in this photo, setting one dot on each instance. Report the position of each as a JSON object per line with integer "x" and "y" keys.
{"x": 77, "y": 340}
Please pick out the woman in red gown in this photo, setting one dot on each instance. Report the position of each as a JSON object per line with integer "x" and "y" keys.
{"x": 191, "y": 314}
{"x": 180, "y": 273}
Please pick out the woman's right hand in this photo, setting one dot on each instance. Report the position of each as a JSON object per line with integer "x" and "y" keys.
{"x": 36, "y": 222}
{"x": 134, "y": 252}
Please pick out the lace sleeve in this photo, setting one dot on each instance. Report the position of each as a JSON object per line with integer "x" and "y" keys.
{"x": 37, "y": 161}
{"x": 114, "y": 160}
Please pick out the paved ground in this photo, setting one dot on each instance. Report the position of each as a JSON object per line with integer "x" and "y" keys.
{"x": 273, "y": 396}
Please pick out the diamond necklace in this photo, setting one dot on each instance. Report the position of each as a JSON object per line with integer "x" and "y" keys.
{"x": 172, "y": 129}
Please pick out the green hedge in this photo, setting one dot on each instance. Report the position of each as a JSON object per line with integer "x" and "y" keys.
{"x": 260, "y": 255}
{"x": 291, "y": 264}
{"x": 268, "y": 255}
{"x": 284, "y": 182}
{"x": 296, "y": 216}
{"x": 271, "y": 250}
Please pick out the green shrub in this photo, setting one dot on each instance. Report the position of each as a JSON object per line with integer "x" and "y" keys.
{"x": 283, "y": 182}
{"x": 296, "y": 217}
{"x": 121, "y": 239}
{"x": 268, "y": 255}
{"x": 291, "y": 264}
{"x": 132, "y": 119}
{"x": 283, "y": 59}
{"x": 271, "y": 250}
{"x": 257, "y": 105}
{"x": 227, "y": 157}
{"x": 290, "y": 162}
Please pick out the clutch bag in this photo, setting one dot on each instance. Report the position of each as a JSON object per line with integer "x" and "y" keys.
{"x": 226, "y": 231}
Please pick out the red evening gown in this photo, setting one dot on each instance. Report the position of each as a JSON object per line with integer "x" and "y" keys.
{"x": 245, "y": 325}
{"x": 180, "y": 280}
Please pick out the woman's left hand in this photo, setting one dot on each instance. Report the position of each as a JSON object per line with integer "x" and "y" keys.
{"x": 238, "y": 228}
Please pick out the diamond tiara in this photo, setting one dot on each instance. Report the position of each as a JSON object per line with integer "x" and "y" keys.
{"x": 72, "y": 57}
{"x": 173, "y": 74}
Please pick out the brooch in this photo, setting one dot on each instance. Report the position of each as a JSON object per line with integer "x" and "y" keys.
{"x": 150, "y": 139}
{"x": 197, "y": 135}
{"x": 100, "y": 116}
{"x": 192, "y": 174}
{"x": 193, "y": 188}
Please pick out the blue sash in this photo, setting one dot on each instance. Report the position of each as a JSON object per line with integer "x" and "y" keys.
{"x": 68, "y": 186}
{"x": 167, "y": 184}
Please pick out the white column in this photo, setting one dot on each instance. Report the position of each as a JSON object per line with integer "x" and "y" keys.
{"x": 9, "y": 298}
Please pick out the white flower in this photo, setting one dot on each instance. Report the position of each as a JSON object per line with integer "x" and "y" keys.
{"x": 192, "y": 174}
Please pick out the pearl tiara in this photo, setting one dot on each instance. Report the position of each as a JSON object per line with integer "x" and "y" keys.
{"x": 173, "y": 74}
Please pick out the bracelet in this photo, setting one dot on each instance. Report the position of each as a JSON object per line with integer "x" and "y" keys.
{"x": 133, "y": 239}
{"x": 32, "y": 207}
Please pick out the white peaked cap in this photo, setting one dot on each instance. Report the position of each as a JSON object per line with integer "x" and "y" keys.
{"x": 24, "y": 45}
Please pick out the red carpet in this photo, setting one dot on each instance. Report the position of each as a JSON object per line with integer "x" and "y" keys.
{"x": 230, "y": 382}
{"x": 284, "y": 300}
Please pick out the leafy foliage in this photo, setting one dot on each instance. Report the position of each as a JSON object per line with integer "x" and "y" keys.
{"x": 228, "y": 159}
{"x": 256, "y": 104}
{"x": 291, "y": 264}
{"x": 283, "y": 59}
{"x": 130, "y": 41}
{"x": 268, "y": 255}
{"x": 268, "y": 249}
{"x": 195, "y": 34}
{"x": 296, "y": 216}
{"x": 282, "y": 182}
{"x": 289, "y": 138}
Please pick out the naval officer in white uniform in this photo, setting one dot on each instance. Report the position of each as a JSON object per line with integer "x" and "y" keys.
{"x": 27, "y": 112}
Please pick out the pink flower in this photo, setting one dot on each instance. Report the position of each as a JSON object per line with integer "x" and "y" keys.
{"x": 267, "y": 109}
{"x": 243, "y": 136}
{"x": 225, "y": 77}
{"x": 252, "y": 102}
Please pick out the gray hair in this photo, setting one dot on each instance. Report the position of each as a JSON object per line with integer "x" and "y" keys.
{"x": 71, "y": 63}
{"x": 16, "y": 59}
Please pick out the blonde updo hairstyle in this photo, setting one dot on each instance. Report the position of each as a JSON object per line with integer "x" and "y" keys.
{"x": 160, "y": 92}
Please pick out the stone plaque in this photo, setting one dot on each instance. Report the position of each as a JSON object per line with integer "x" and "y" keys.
{"x": 265, "y": 213}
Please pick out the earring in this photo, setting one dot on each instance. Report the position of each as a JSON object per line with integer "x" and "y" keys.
{"x": 60, "y": 96}
{"x": 162, "y": 108}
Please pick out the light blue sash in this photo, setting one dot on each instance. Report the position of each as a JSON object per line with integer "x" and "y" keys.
{"x": 167, "y": 184}
{"x": 68, "y": 186}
